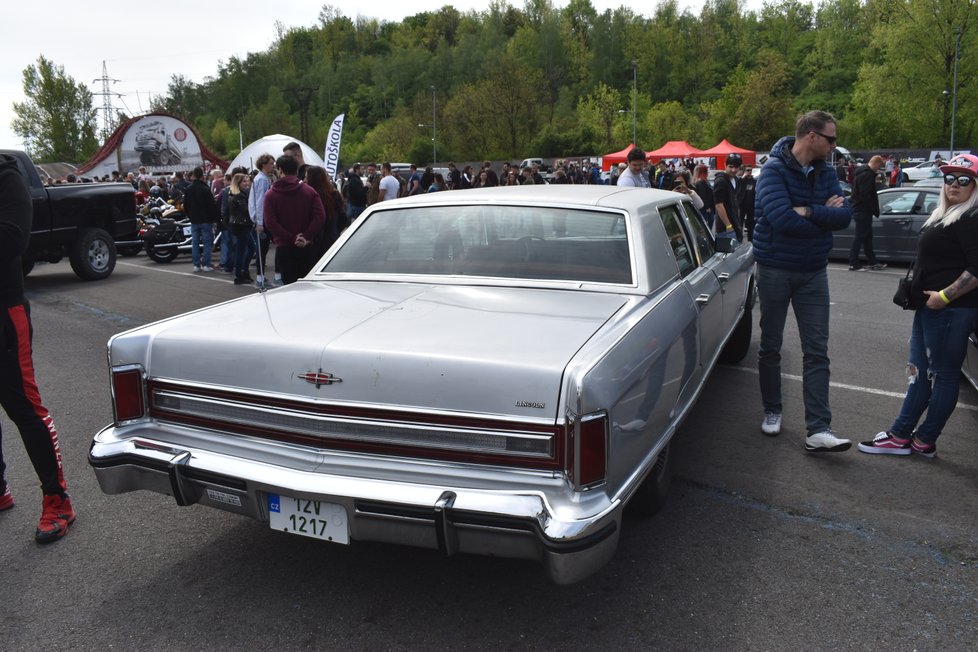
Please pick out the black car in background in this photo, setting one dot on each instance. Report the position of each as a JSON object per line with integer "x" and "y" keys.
{"x": 903, "y": 212}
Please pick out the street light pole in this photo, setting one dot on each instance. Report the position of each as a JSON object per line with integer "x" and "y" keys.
{"x": 434, "y": 133}
{"x": 954, "y": 87}
{"x": 634, "y": 101}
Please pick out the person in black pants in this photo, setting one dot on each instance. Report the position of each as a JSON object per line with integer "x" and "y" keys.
{"x": 865, "y": 206}
{"x": 19, "y": 395}
{"x": 748, "y": 184}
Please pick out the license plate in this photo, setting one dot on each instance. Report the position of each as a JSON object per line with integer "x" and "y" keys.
{"x": 186, "y": 230}
{"x": 309, "y": 518}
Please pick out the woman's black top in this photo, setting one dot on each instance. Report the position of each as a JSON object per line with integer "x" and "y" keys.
{"x": 943, "y": 252}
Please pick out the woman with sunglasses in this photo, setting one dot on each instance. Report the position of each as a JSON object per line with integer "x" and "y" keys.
{"x": 946, "y": 312}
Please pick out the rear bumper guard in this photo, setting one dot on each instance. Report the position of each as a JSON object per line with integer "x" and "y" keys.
{"x": 512, "y": 525}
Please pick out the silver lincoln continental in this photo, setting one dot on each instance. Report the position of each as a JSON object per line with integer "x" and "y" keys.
{"x": 495, "y": 371}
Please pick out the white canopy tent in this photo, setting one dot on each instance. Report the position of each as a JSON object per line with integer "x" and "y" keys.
{"x": 273, "y": 145}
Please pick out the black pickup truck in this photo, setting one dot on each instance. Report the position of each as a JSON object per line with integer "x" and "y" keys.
{"x": 81, "y": 221}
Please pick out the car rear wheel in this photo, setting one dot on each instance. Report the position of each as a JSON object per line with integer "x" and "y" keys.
{"x": 652, "y": 493}
{"x": 93, "y": 255}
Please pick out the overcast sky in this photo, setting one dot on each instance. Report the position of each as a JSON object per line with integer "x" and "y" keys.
{"x": 143, "y": 45}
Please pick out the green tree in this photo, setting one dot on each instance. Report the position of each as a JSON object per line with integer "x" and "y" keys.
{"x": 899, "y": 97}
{"x": 669, "y": 121}
{"x": 184, "y": 98}
{"x": 600, "y": 110}
{"x": 841, "y": 42}
{"x": 57, "y": 120}
{"x": 223, "y": 138}
{"x": 756, "y": 107}
{"x": 469, "y": 111}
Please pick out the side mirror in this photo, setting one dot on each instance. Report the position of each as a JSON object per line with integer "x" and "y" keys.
{"x": 726, "y": 245}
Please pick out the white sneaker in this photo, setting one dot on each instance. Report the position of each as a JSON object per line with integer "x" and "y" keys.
{"x": 826, "y": 442}
{"x": 196, "y": 268}
{"x": 771, "y": 425}
{"x": 207, "y": 268}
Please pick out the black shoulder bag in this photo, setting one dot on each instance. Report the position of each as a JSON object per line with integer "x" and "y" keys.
{"x": 902, "y": 295}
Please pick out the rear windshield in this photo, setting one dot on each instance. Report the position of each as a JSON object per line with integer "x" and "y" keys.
{"x": 514, "y": 242}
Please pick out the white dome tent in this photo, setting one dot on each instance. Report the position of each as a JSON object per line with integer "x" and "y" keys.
{"x": 273, "y": 145}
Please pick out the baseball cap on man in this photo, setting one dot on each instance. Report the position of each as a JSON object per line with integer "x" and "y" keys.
{"x": 962, "y": 164}
{"x": 735, "y": 160}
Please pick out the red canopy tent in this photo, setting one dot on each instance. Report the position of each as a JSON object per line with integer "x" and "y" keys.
{"x": 673, "y": 149}
{"x": 615, "y": 158}
{"x": 723, "y": 149}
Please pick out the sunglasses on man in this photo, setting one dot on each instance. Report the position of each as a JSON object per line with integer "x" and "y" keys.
{"x": 831, "y": 139}
{"x": 964, "y": 180}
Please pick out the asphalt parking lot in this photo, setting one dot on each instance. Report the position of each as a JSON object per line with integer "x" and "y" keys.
{"x": 761, "y": 546}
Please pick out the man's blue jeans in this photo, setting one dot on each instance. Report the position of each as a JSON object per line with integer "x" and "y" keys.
{"x": 227, "y": 249}
{"x": 808, "y": 295}
{"x": 938, "y": 345}
{"x": 201, "y": 238}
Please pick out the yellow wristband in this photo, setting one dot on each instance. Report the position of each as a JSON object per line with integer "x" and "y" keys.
{"x": 730, "y": 227}
{"x": 943, "y": 297}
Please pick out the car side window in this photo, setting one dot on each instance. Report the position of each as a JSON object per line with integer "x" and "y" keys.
{"x": 930, "y": 203}
{"x": 898, "y": 202}
{"x": 678, "y": 240}
{"x": 701, "y": 236}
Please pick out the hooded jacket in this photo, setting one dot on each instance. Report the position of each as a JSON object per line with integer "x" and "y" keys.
{"x": 783, "y": 238}
{"x": 292, "y": 208}
{"x": 16, "y": 212}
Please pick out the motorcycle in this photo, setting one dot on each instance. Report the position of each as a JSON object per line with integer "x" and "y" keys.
{"x": 148, "y": 214}
{"x": 167, "y": 234}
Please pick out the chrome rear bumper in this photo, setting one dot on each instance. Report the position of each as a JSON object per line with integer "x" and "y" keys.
{"x": 453, "y": 519}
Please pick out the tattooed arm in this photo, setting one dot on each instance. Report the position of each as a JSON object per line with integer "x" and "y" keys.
{"x": 961, "y": 286}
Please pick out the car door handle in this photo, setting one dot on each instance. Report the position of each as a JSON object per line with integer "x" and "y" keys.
{"x": 723, "y": 277}
{"x": 704, "y": 299}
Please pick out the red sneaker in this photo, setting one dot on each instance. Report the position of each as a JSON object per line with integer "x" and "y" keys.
{"x": 56, "y": 516}
{"x": 885, "y": 444}
{"x": 920, "y": 448}
{"x": 6, "y": 500}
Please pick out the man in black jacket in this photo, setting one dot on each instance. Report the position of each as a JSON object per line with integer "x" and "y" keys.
{"x": 18, "y": 388}
{"x": 202, "y": 211}
{"x": 727, "y": 190}
{"x": 865, "y": 206}
{"x": 356, "y": 194}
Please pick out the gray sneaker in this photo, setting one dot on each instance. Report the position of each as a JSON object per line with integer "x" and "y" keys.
{"x": 826, "y": 442}
{"x": 771, "y": 425}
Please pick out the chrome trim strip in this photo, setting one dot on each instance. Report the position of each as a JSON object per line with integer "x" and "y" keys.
{"x": 512, "y": 443}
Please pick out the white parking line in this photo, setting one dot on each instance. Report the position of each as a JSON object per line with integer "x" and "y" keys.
{"x": 210, "y": 276}
{"x": 858, "y": 388}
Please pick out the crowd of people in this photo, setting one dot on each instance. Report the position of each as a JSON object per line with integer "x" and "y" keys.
{"x": 283, "y": 201}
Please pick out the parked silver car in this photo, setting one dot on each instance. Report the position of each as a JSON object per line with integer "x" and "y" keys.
{"x": 493, "y": 371}
{"x": 903, "y": 212}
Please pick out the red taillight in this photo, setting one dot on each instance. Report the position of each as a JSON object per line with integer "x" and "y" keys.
{"x": 592, "y": 456}
{"x": 127, "y": 394}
